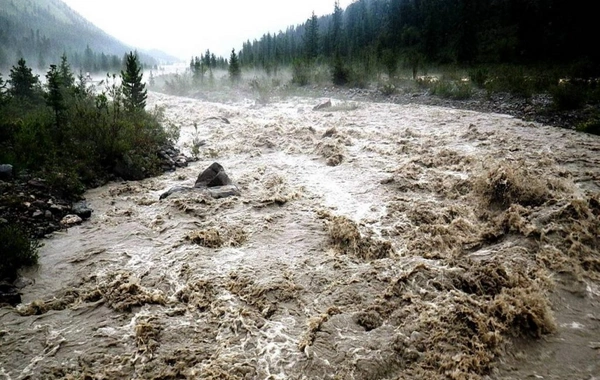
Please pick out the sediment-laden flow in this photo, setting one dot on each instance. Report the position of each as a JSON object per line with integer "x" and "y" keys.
{"x": 370, "y": 241}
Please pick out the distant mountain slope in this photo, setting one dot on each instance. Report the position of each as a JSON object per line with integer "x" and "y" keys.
{"x": 41, "y": 30}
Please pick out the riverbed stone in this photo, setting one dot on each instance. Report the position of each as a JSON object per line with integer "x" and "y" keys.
{"x": 71, "y": 220}
{"x": 6, "y": 172}
{"x": 213, "y": 180}
{"x": 322, "y": 105}
{"x": 81, "y": 209}
{"x": 213, "y": 176}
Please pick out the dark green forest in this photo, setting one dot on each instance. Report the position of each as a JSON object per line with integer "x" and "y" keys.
{"x": 380, "y": 35}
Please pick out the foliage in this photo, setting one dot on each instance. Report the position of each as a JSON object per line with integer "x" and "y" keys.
{"x": 380, "y": 34}
{"x": 3, "y": 91}
{"x": 311, "y": 38}
{"x": 81, "y": 136}
{"x": 511, "y": 79}
{"x": 568, "y": 95}
{"x": 479, "y": 76}
{"x": 591, "y": 126}
{"x": 388, "y": 89}
{"x": 456, "y": 90}
{"x": 340, "y": 73}
{"x": 235, "y": 72}
{"x": 134, "y": 89}
{"x": 390, "y": 62}
{"x": 300, "y": 72}
{"x": 16, "y": 251}
{"x": 65, "y": 74}
{"x": 22, "y": 81}
{"x": 55, "y": 99}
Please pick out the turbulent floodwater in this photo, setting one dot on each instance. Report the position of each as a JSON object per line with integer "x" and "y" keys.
{"x": 370, "y": 241}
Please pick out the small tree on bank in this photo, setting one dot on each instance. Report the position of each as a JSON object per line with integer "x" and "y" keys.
{"x": 65, "y": 73}
{"x": 3, "y": 91}
{"x": 55, "y": 100}
{"x": 23, "y": 82}
{"x": 235, "y": 72}
{"x": 134, "y": 90}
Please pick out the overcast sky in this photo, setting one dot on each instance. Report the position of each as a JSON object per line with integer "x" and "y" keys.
{"x": 188, "y": 27}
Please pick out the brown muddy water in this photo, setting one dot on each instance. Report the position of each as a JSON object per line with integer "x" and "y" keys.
{"x": 370, "y": 241}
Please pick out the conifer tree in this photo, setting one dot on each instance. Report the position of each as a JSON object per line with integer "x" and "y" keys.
{"x": 336, "y": 29}
{"x": 235, "y": 72}
{"x": 134, "y": 90}
{"x": 311, "y": 37}
{"x": 22, "y": 81}
{"x": 64, "y": 70}
{"x": 55, "y": 99}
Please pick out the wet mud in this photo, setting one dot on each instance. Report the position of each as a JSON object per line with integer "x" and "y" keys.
{"x": 377, "y": 241}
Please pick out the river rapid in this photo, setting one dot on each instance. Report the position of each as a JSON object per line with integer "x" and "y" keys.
{"x": 370, "y": 241}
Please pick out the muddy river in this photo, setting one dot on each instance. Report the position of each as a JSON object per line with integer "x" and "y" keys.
{"x": 370, "y": 241}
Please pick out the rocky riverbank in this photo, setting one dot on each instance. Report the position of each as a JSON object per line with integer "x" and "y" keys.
{"x": 539, "y": 108}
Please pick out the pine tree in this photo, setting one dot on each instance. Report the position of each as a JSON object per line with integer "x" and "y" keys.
{"x": 134, "y": 90}
{"x": 55, "y": 99}
{"x": 311, "y": 37}
{"x": 22, "y": 81}
{"x": 64, "y": 70}
{"x": 235, "y": 72}
{"x": 335, "y": 34}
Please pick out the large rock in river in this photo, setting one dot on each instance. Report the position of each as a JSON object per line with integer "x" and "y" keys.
{"x": 213, "y": 176}
{"x": 213, "y": 180}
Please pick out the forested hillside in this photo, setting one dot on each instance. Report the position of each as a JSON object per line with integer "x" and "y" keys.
{"x": 386, "y": 33}
{"x": 42, "y": 30}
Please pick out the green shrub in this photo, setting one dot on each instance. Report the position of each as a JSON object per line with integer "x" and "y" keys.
{"x": 443, "y": 89}
{"x": 300, "y": 73}
{"x": 451, "y": 90}
{"x": 479, "y": 76}
{"x": 16, "y": 251}
{"x": 388, "y": 89}
{"x": 340, "y": 74}
{"x": 568, "y": 96}
{"x": 591, "y": 126}
{"x": 512, "y": 80}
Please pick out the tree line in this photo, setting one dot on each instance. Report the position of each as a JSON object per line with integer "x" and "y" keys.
{"x": 381, "y": 34}
{"x": 67, "y": 127}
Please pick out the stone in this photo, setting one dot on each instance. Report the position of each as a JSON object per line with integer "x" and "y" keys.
{"x": 71, "y": 220}
{"x": 212, "y": 180}
{"x": 6, "y": 172}
{"x": 9, "y": 294}
{"x": 323, "y": 105}
{"x": 224, "y": 191}
{"x": 213, "y": 176}
{"x": 81, "y": 209}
